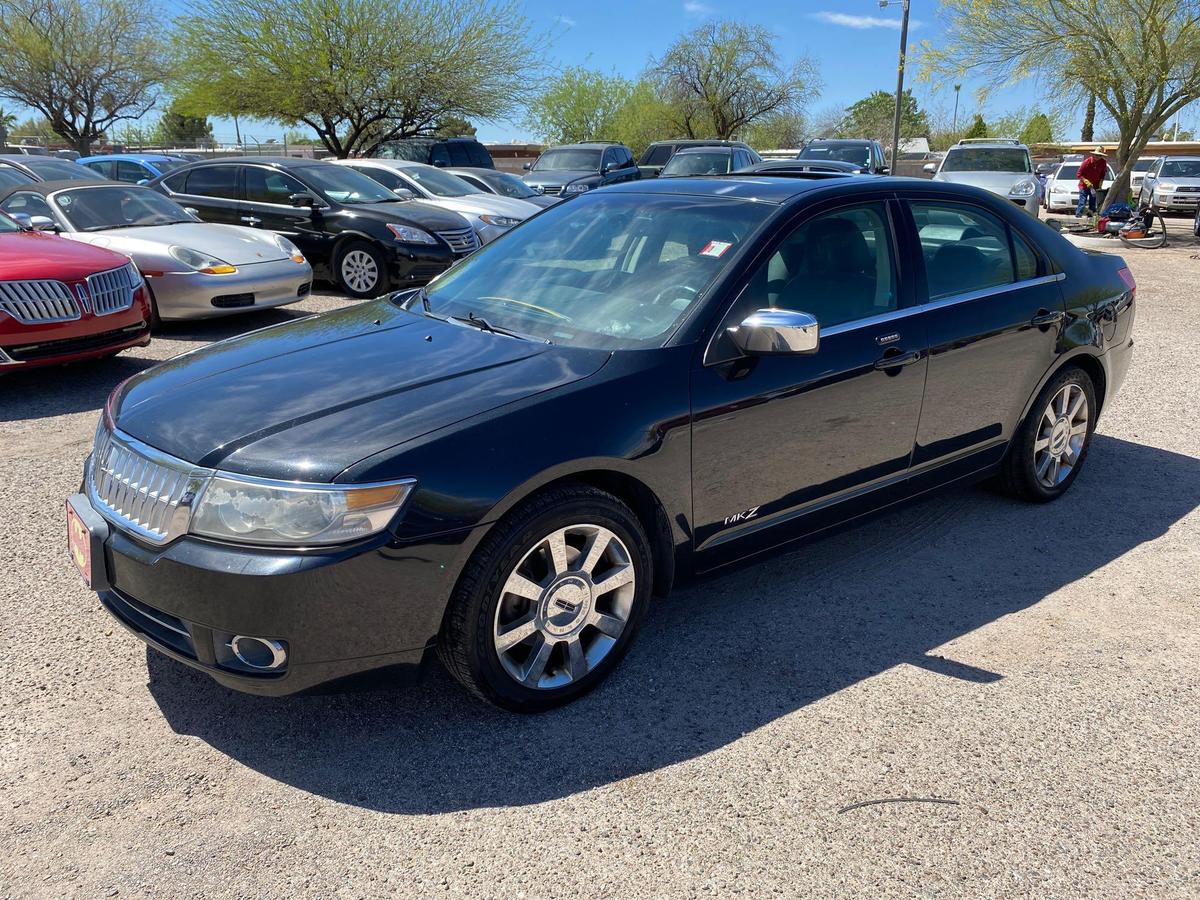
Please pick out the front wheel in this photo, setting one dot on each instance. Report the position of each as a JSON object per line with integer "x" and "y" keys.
{"x": 361, "y": 270}
{"x": 1052, "y": 442}
{"x": 550, "y": 601}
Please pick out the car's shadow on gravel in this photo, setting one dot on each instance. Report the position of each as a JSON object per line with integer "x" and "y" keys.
{"x": 716, "y": 660}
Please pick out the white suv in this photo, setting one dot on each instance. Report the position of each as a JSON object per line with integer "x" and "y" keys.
{"x": 994, "y": 164}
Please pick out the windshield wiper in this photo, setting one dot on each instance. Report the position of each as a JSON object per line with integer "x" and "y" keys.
{"x": 484, "y": 325}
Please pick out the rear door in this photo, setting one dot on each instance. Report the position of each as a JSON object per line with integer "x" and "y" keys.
{"x": 994, "y": 315}
{"x": 210, "y": 190}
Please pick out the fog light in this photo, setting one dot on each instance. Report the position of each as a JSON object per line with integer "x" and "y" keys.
{"x": 263, "y": 654}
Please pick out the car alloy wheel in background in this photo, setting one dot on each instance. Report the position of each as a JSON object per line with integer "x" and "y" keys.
{"x": 361, "y": 270}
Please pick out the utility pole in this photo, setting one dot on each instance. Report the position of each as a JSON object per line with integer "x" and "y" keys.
{"x": 954, "y": 124}
{"x": 883, "y": 4}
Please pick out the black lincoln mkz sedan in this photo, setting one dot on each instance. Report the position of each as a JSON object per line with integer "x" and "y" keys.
{"x": 651, "y": 382}
{"x": 353, "y": 230}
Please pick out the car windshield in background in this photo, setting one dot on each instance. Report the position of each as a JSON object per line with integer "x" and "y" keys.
{"x": 1142, "y": 165}
{"x": 1180, "y": 168}
{"x": 697, "y": 164}
{"x": 103, "y": 207}
{"x": 992, "y": 159}
{"x": 568, "y": 160}
{"x": 510, "y": 185}
{"x": 168, "y": 165}
{"x": 1067, "y": 173}
{"x": 607, "y": 271}
{"x": 61, "y": 170}
{"x": 344, "y": 185}
{"x": 852, "y": 153}
{"x": 11, "y": 177}
{"x": 439, "y": 183}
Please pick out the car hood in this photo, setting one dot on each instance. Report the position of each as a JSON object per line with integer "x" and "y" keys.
{"x": 486, "y": 205}
{"x": 233, "y": 243}
{"x": 558, "y": 176}
{"x": 1179, "y": 180}
{"x": 996, "y": 182}
{"x": 420, "y": 213}
{"x": 31, "y": 255}
{"x": 308, "y": 399}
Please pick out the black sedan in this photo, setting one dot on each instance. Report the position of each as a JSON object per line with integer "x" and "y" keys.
{"x": 353, "y": 230}
{"x": 650, "y": 382}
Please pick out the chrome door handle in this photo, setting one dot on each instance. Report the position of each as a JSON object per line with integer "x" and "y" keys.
{"x": 895, "y": 359}
{"x": 1045, "y": 318}
{"x": 252, "y": 220}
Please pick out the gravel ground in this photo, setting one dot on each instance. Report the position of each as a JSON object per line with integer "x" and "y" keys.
{"x": 1026, "y": 675}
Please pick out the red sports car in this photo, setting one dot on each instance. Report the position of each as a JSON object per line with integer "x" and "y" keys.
{"x": 62, "y": 301}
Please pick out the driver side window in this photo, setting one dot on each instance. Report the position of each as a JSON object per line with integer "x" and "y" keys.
{"x": 838, "y": 267}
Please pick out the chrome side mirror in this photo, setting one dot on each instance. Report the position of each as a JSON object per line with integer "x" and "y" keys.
{"x": 42, "y": 223}
{"x": 770, "y": 331}
{"x": 404, "y": 193}
{"x": 931, "y": 168}
{"x": 193, "y": 212}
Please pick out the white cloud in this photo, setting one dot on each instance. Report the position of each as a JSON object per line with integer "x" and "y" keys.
{"x": 853, "y": 21}
{"x": 696, "y": 8}
{"x": 565, "y": 20}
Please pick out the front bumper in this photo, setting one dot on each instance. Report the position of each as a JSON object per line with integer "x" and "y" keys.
{"x": 54, "y": 343}
{"x": 1177, "y": 200}
{"x": 338, "y": 611}
{"x": 194, "y": 295}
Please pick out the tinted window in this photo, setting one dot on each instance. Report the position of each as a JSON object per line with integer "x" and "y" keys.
{"x": 965, "y": 248}
{"x": 1143, "y": 164}
{"x": 567, "y": 160}
{"x": 1026, "y": 259}
{"x": 702, "y": 162}
{"x": 213, "y": 181}
{"x": 10, "y": 177}
{"x": 859, "y": 154}
{"x": 269, "y": 186}
{"x": 479, "y": 156}
{"x": 658, "y": 155}
{"x": 838, "y": 267}
{"x": 987, "y": 159}
{"x": 175, "y": 183}
{"x": 438, "y": 156}
{"x": 103, "y": 169}
{"x": 131, "y": 172}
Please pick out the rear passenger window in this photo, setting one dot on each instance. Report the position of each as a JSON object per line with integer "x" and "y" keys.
{"x": 440, "y": 156}
{"x": 213, "y": 181}
{"x": 1026, "y": 259}
{"x": 965, "y": 248}
{"x": 479, "y": 156}
{"x": 458, "y": 154}
{"x": 175, "y": 182}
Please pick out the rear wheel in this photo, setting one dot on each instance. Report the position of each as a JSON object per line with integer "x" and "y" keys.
{"x": 550, "y": 601}
{"x": 1051, "y": 444}
{"x": 362, "y": 270}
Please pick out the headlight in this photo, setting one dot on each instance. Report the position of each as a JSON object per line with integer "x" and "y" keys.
{"x": 576, "y": 188}
{"x": 202, "y": 262}
{"x": 501, "y": 221}
{"x": 263, "y": 512}
{"x": 1023, "y": 189}
{"x": 411, "y": 235}
{"x": 288, "y": 248}
{"x": 1165, "y": 186}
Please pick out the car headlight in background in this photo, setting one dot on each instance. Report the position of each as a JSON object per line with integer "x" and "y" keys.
{"x": 410, "y": 235}
{"x": 576, "y": 188}
{"x": 263, "y": 512}
{"x": 500, "y": 221}
{"x": 202, "y": 262}
{"x": 1166, "y": 186}
{"x": 288, "y": 248}
{"x": 1023, "y": 189}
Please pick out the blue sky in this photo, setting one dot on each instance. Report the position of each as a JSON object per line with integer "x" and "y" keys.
{"x": 854, "y": 42}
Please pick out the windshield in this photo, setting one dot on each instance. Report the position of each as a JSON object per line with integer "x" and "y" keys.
{"x": 439, "y": 183}
{"x": 1144, "y": 163}
{"x": 62, "y": 170}
{"x": 119, "y": 206}
{"x": 989, "y": 159}
{"x": 343, "y": 185}
{"x": 168, "y": 165}
{"x": 1180, "y": 168}
{"x": 1071, "y": 173}
{"x": 859, "y": 154}
{"x": 509, "y": 185}
{"x": 7, "y": 225}
{"x": 607, "y": 270}
{"x": 566, "y": 160}
{"x": 708, "y": 163}
{"x": 11, "y": 177}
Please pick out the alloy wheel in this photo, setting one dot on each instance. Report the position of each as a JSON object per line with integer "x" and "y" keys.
{"x": 360, "y": 271}
{"x": 1061, "y": 435}
{"x": 564, "y": 606}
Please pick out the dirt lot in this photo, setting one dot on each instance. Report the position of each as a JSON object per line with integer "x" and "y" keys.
{"x": 1028, "y": 673}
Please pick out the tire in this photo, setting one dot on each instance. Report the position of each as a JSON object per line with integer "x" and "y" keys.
{"x": 356, "y": 262}
{"x": 1029, "y": 471}
{"x": 491, "y": 636}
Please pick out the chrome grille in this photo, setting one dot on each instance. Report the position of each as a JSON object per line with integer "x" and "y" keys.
{"x": 32, "y": 302}
{"x": 111, "y": 291}
{"x": 463, "y": 241}
{"x": 142, "y": 489}
{"x": 552, "y": 190}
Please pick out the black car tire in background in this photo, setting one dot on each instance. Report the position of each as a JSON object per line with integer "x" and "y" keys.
{"x": 1021, "y": 473}
{"x": 356, "y": 261}
{"x": 468, "y": 642}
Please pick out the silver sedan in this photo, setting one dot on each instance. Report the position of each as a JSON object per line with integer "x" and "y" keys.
{"x": 195, "y": 269}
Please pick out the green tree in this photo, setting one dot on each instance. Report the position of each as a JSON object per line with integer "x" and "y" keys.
{"x": 978, "y": 128}
{"x": 1140, "y": 59}
{"x": 782, "y": 131}
{"x": 449, "y": 126}
{"x": 357, "y": 72}
{"x": 724, "y": 76}
{"x": 873, "y": 115}
{"x": 176, "y": 128}
{"x": 643, "y": 118}
{"x": 1038, "y": 130}
{"x": 37, "y": 128}
{"x": 7, "y": 121}
{"x": 86, "y": 65}
{"x": 578, "y": 105}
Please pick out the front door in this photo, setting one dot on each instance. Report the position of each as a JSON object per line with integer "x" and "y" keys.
{"x": 268, "y": 205}
{"x": 778, "y": 439}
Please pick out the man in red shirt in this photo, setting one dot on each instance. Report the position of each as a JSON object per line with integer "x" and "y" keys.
{"x": 1092, "y": 172}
